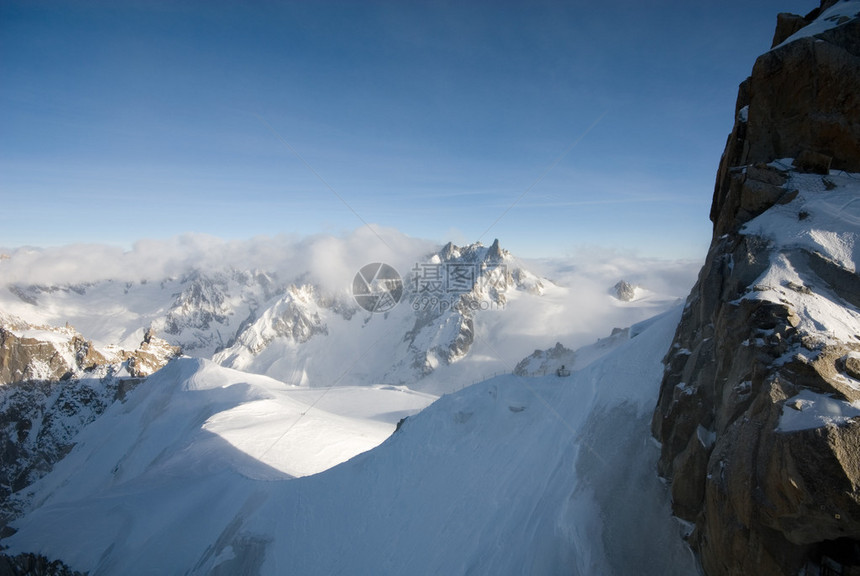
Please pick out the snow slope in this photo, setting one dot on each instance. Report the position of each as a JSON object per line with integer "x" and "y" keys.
{"x": 510, "y": 476}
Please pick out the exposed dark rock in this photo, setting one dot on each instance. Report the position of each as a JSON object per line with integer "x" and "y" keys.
{"x": 28, "y": 358}
{"x": 805, "y": 97}
{"x": 756, "y": 494}
{"x": 38, "y": 423}
{"x": 152, "y": 354}
{"x": 624, "y": 291}
{"x": 543, "y": 362}
{"x": 765, "y": 500}
{"x": 494, "y": 253}
{"x": 64, "y": 354}
{"x": 814, "y": 162}
{"x": 50, "y": 389}
{"x": 786, "y": 25}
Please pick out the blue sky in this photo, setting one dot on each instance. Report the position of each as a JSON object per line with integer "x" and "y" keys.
{"x": 583, "y": 123}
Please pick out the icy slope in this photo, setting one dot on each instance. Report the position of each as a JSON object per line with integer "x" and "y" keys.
{"x": 510, "y": 476}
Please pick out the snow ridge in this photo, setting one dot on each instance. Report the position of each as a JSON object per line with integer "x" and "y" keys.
{"x": 536, "y": 475}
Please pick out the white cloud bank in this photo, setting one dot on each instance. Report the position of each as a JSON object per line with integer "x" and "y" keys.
{"x": 331, "y": 261}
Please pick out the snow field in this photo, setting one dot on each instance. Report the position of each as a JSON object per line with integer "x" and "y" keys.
{"x": 510, "y": 476}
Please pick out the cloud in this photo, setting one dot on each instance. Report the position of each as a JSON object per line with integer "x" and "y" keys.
{"x": 581, "y": 308}
{"x": 331, "y": 261}
{"x": 609, "y": 265}
{"x": 585, "y": 305}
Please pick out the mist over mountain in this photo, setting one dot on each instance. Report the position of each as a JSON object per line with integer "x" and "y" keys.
{"x": 328, "y": 260}
{"x": 286, "y": 308}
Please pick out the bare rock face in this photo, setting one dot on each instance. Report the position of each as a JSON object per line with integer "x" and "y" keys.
{"x": 769, "y": 489}
{"x": 786, "y": 25}
{"x": 152, "y": 354}
{"x": 624, "y": 291}
{"x": 32, "y": 358}
{"x": 53, "y": 383}
{"x": 802, "y": 101}
{"x": 50, "y": 353}
{"x": 804, "y": 95}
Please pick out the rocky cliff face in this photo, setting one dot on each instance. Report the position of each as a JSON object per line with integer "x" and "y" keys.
{"x": 30, "y": 352}
{"x": 51, "y": 353}
{"x": 759, "y": 404}
{"x": 53, "y": 382}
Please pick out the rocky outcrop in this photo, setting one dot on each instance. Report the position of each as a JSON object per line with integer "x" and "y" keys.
{"x": 764, "y": 500}
{"x": 803, "y": 94}
{"x": 557, "y": 359}
{"x": 50, "y": 353}
{"x": 802, "y": 100}
{"x": 624, "y": 291}
{"x": 53, "y": 382}
{"x": 759, "y": 435}
{"x": 152, "y": 354}
{"x": 43, "y": 352}
{"x": 28, "y": 358}
{"x": 38, "y": 423}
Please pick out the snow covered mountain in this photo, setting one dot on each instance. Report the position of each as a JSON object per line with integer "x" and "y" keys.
{"x": 434, "y": 325}
{"x": 465, "y": 312}
{"x": 456, "y": 304}
{"x": 541, "y": 475}
{"x": 197, "y": 311}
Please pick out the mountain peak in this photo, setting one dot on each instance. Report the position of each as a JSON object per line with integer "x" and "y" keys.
{"x": 494, "y": 252}
{"x": 448, "y": 251}
{"x": 475, "y": 252}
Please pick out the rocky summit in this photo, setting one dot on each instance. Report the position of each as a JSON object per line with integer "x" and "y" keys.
{"x": 758, "y": 408}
